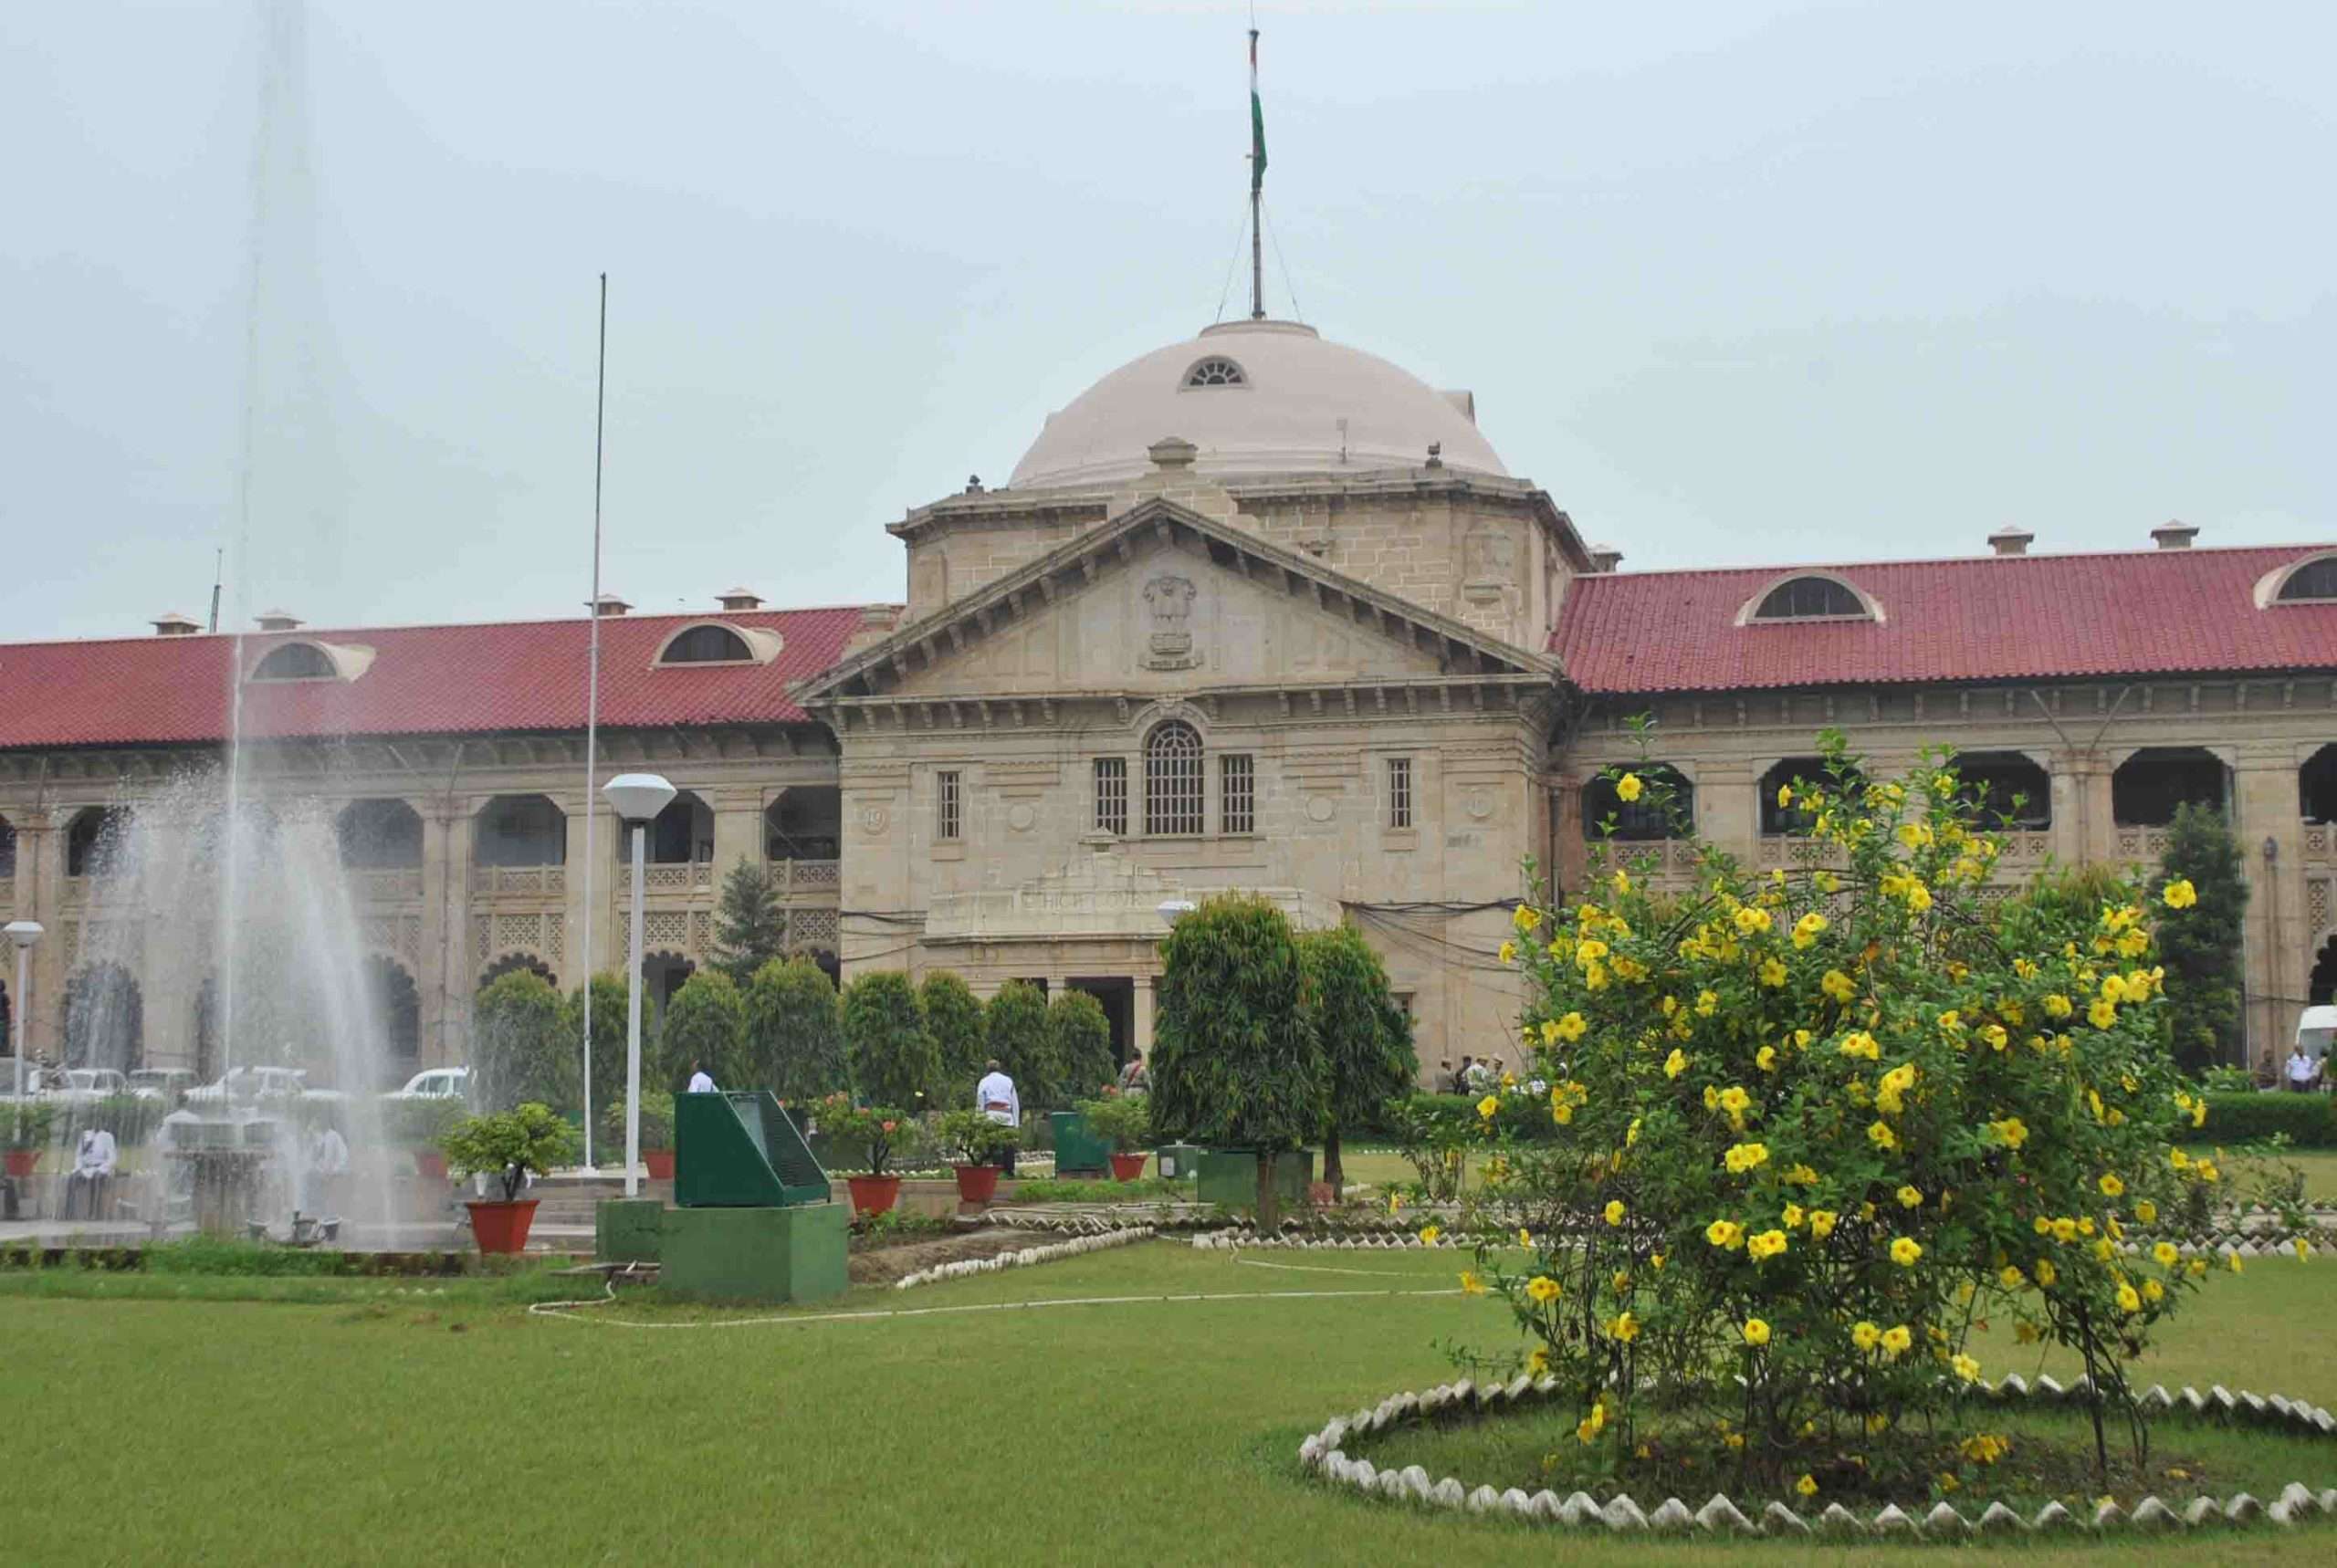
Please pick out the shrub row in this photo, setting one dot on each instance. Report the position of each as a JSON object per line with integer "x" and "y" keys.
{"x": 2309, "y": 1119}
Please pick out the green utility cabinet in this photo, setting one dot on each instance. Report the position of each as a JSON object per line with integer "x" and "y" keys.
{"x": 1228, "y": 1177}
{"x": 1179, "y": 1162}
{"x": 756, "y": 1223}
{"x": 1079, "y": 1152}
{"x": 739, "y": 1150}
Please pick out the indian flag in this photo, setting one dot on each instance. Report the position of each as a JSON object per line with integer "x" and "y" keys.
{"x": 1257, "y": 122}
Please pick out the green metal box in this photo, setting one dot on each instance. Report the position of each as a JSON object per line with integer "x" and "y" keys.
{"x": 737, "y": 1149}
{"x": 1228, "y": 1177}
{"x": 1078, "y": 1152}
{"x": 1179, "y": 1162}
{"x": 792, "y": 1254}
{"x": 628, "y": 1230}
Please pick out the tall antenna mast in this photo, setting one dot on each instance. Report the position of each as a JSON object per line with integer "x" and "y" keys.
{"x": 218, "y": 572}
{"x": 592, "y": 706}
{"x": 1257, "y": 188}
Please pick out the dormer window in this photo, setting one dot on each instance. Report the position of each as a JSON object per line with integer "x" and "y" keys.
{"x": 295, "y": 662}
{"x": 714, "y": 643}
{"x": 1810, "y": 596}
{"x": 2315, "y": 581}
{"x": 1215, "y": 370}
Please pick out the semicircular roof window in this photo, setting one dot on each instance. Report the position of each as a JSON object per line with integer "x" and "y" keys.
{"x": 1810, "y": 599}
{"x": 1215, "y": 370}
{"x": 2313, "y": 580}
{"x": 707, "y": 645}
{"x": 295, "y": 662}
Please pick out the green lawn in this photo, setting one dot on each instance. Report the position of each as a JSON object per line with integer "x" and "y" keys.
{"x": 368, "y": 1421}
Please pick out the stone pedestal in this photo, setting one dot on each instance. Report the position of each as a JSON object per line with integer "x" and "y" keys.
{"x": 628, "y": 1230}
{"x": 754, "y": 1254}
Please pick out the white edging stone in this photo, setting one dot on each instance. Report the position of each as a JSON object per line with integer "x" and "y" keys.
{"x": 1054, "y": 1252}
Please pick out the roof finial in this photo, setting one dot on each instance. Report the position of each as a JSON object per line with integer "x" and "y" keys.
{"x": 1257, "y": 185}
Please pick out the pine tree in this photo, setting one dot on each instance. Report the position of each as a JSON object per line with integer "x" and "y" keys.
{"x": 2200, "y": 945}
{"x": 1365, "y": 1038}
{"x": 749, "y": 925}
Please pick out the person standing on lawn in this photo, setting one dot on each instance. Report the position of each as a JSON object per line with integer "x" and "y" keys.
{"x": 701, "y": 1081}
{"x": 995, "y": 1097}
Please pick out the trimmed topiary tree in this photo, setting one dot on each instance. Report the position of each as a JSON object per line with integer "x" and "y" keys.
{"x": 795, "y": 1031}
{"x": 1365, "y": 1038}
{"x": 750, "y": 923}
{"x": 1079, "y": 1044}
{"x": 1014, "y": 1026}
{"x": 522, "y": 1048}
{"x": 608, "y": 1038}
{"x": 1233, "y": 1063}
{"x": 706, "y": 1023}
{"x": 953, "y": 1016}
{"x": 2200, "y": 942}
{"x": 887, "y": 1045}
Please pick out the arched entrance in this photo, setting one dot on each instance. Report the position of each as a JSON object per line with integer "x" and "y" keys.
{"x": 396, "y": 1004}
{"x": 2320, "y": 990}
{"x": 512, "y": 961}
{"x": 105, "y": 1020}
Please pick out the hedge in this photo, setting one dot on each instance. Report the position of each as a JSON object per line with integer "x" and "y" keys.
{"x": 2309, "y": 1119}
{"x": 1522, "y": 1116}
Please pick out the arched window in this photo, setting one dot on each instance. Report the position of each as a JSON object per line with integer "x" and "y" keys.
{"x": 396, "y": 1005}
{"x": 294, "y": 662}
{"x": 380, "y": 835}
{"x": 521, "y": 830}
{"x": 95, "y": 843}
{"x": 1644, "y": 820}
{"x": 707, "y": 645}
{"x": 2313, "y": 580}
{"x": 2316, "y": 786}
{"x": 1810, "y": 599}
{"x": 804, "y": 824}
{"x": 2009, "y": 789}
{"x": 1217, "y": 370}
{"x": 1173, "y": 791}
{"x": 2148, "y": 786}
{"x": 1799, "y": 774}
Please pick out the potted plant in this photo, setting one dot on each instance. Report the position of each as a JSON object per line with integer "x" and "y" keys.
{"x": 656, "y": 1132}
{"x": 509, "y": 1145}
{"x": 1126, "y": 1121}
{"x": 24, "y": 1131}
{"x": 884, "y": 1133}
{"x": 419, "y": 1124}
{"x": 977, "y": 1142}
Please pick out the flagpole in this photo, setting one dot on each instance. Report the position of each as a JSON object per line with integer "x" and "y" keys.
{"x": 1257, "y": 189}
{"x": 592, "y": 706}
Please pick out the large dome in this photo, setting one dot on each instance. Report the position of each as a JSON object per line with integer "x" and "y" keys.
{"x": 1255, "y": 397}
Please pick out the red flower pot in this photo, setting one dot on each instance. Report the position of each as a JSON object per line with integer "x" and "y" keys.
{"x": 976, "y": 1184}
{"x": 874, "y": 1193}
{"x": 1127, "y": 1168}
{"x": 20, "y": 1162}
{"x": 660, "y": 1163}
{"x": 431, "y": 1163}
{"x": 503, "y": 1226}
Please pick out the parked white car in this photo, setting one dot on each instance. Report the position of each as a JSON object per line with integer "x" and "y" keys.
{"x": 435, "y": 1083}
{"x": 164, "y": 1083}
{"x": 82, "y": 1085}
{"x": 246, "y": 1085}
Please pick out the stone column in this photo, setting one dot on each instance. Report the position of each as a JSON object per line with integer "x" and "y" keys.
{"x": 442, "y": 973}
{"x": 738, "y": 825}
{"x": 1140, "y": 1019}
{"x": 1728, "y": 810}
{"x": 2277, "y": 963}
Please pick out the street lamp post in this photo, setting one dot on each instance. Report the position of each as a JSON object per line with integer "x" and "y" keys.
{"x": 638, "y": 798}
{"x": 24, "y": 934}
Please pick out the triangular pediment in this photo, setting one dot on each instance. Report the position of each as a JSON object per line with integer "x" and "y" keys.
{"x": 1163, "y": 600}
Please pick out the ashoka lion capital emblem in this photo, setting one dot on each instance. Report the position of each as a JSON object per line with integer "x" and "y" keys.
{"x": 1170, "y": 646}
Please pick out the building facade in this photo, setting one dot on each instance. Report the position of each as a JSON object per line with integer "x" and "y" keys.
{"x": 1256, "y": 612}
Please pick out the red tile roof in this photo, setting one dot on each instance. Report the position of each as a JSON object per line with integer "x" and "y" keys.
{"x": 424, "y": 680}
{"x": 1993, "y": 618}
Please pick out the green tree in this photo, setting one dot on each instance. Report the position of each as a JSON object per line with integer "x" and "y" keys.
{"x": 794, "y": 1033}
{"x": 608, "y": 1038}
{"x": 1233, "y": 1063}
{"x": 1079, "y": 1042}
{"x": 886, "y": 1041}
{"x": 521, "y": 1049}
{"x": 953, "y": 1016}
{"x": 1365, "y": 1038}
{"x": 705, "y": 1025}
{"x": 2200, "y": 944}
{"x": 749, "y": 925}
{"x": 1014, "y": 1025}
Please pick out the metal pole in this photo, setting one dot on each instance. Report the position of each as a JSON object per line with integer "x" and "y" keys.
{"x": 592, "y": 710}
{"x": 23, "y": 1021}
{"x": 633, "y": 1023}
{"x": 1257, "y": 263}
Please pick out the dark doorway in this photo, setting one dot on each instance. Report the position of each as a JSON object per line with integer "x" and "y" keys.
{"x": 1117, "y": 995}
{"x": 2321, "y": 990}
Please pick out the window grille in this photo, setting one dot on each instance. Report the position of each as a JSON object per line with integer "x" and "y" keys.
{"x": 707, "y": 645}
{"x": 1400, "y": 791}
{"x": 2314, "y": 580}
{"x": 948, "y": 806}
{"x": 1808, "y": 599}
{"x": 1111, "y": 794}
{"x": 1237, "y": 807}
{"x": 1172, "y": 780}
{"x": 1215, "y": 371}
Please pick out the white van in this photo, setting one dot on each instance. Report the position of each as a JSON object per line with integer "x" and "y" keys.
{"x": 2317, "y": 1032}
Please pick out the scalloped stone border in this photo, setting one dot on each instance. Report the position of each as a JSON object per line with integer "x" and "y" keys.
{"x": 1055, "y": 1252}
{"x": 2252, "y": 1244}
{"x": 1323, "y": 1456}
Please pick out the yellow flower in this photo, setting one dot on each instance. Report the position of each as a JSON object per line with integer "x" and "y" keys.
{"x": 2231, "y": 1262}
{"x": 2046, "y": 1272}
{"x": 1543, "y": 1288}
{"x": 2012, "y": 1132}
{"x": 1472, "y": 1282}
{"x": 1676, "y": 1063}
{"x": 1766, "y": 1059}
{"x": 1537, "y": 1364}
{"x": 2012, "y": 1278}
{"x": 1821, "y": 1223}
{"x": 1707, "y": 1003}
{"x": 1525, "y": 1237}
{"x": 1801, "y": 1175}
{"x": 1858, "y": 1042}
{"x": 1806, "y": 1486}
{"x": 1909, "y": 1197}
{"x": 1508, "y": 953}
{"x": 1895, "y": 1341}
{"x": 1571, "y": 1028}
{"x": 2065, "y": 1229}
{"x": 1752, "y": 920}
{"x": 1614, "y": 1211}
{"x": 1590, "y": 1425}
{"x": 1625, "y": 1327}
{"x": 2165, "y": 1254}
{"x": 2146, "y": 1211}
{"x": 1793, "y": 1216}
{"x": 1769, "y": 1244}
{"x": 1806, "y": 929}
{"x": 1525, "y": 917}
{"x": 1866, "y": 1336}
{"x": 1628, "y": 788}
{"x": 1995, "y": 1035}
{"x": 2196, "y": 1267}
{"x": 2178, "y": 1159}
{"x": 2111, "y": 1187}
{"x": 2180, "y": 893}
{"x": 1785, "y": 795}
{"x": 1428, "y": 1233}
{"x": 1756, "y": 1332}
{"x": 2101, "y": 1014}
{"x": 1905, "y": 1250}
{"x": 1772, "y": 973}
{"x": 1489, "y": 1107}
{"x": 1881, "y": 1136}
{"x": 2153, "y": 1290}
{"x": 2303, "y": 1248}
{"x": 1725, "y": 1233}
{"x": 1838, "y": 985}
{"x": 2129, "y": 1299}
{"x": 1965, "y": 1368}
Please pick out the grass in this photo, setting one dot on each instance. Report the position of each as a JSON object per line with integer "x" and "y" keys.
{"x": 372, "y": 1424}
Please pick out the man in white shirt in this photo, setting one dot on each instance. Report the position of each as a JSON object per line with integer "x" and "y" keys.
{"x": 995, "y": 1097}
{"x": 701, "y": 1082}
{"x": 93, "y": 1162}
{"x": 328, "y": 1163}
{"x": 2303, "y": 1071}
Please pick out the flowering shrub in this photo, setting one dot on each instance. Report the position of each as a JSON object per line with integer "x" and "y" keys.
{"x": 886, "y": 1134}
{"x": 1817, "y": 1124}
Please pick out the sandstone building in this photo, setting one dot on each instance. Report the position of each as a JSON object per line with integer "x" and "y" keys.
{"x": 1256, "y": 610}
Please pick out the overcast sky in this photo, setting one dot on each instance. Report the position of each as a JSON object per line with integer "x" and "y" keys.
{"x": 1735, "y": 282}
